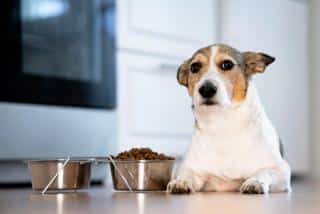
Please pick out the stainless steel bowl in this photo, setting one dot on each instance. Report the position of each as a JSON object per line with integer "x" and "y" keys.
{"x": 141, "y": 175}
{"x": 74, "y": 175}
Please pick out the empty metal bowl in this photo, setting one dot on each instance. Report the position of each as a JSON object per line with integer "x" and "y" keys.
{"x": 141, "y": 175}
{"x": 70, "y": 175}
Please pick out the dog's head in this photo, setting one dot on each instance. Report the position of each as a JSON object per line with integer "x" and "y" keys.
{"x": 218, "y": 75}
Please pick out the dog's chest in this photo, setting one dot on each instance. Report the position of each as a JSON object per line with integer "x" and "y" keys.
{"x": 232, "y": 155}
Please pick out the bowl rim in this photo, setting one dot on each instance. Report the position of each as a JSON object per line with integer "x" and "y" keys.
{"x": 58, "y": 160}
{"x": 94, "y": 160}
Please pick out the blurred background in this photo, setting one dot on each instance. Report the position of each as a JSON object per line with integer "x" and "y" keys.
{"x": 87, "y": 78}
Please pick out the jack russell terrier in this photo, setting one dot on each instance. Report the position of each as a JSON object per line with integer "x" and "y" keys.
{"x": 234, "y": 146}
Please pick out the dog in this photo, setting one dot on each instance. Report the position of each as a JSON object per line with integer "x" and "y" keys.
{"x": 234, "y": 146}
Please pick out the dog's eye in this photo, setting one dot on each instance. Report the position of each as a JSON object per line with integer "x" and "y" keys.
{"x": 226, "y": 65}
{"x": 195, "y": 67}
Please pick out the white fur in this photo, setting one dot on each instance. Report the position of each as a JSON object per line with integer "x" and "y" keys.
{"x": 234, "y": 146}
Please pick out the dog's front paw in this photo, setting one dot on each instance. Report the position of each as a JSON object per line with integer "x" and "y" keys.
{"x": 179, "y": 187}
{"x": 254, "y": 187}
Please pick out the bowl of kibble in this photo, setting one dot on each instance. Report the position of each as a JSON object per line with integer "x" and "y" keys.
{"x": 141, "y": 169}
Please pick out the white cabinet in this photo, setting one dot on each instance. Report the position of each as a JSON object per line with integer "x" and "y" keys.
{"x": 166, "y": 27}
{"x": 153, "y": 38}
{"x": 280, "y": 29}
{"x": 154, "y": 110}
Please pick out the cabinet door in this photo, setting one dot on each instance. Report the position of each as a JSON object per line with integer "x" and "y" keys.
{"x": 167, "y": 27}
{"x": 280, "y": 29}
{"x": 154, "y": 110}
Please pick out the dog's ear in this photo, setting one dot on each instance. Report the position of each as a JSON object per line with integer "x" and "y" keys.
{"x": 183, "y": 73}
{"x": 256, "y": 62}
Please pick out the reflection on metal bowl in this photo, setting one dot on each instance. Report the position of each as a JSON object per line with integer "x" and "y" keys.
{"x": 74, "y": 175}
{"x": 141, "y": 175}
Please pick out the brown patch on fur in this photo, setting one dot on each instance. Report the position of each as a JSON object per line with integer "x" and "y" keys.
{"x": 195, "y": 77}
{"x": 183, "y": 73}
{"x": 236, "y": 76}
{"x": 186, "y": 77}
{"x": 240, "y": 86}
{"x": 247, "y": 64}
{"x": 256, "y": 62}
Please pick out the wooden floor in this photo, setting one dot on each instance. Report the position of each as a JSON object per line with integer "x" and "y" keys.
{"x": 304, "y": 199}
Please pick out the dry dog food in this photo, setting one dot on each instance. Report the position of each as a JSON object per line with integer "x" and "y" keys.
{"x": 141, "y": 154}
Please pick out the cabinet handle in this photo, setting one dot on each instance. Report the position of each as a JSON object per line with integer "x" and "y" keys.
{"x": 168, "y": 67}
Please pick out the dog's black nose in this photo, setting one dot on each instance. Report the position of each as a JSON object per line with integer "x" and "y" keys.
{"x": 207, "y": 90}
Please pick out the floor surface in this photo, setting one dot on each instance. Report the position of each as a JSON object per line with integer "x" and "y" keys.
{"x": 305, "y": 199}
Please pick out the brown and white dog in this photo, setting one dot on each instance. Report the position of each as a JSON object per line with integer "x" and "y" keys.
{"x": 234, "y": 146}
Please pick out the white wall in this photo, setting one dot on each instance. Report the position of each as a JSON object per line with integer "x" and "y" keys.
{"x": 279, "y": 28}
{"x": 315, "y": 84}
